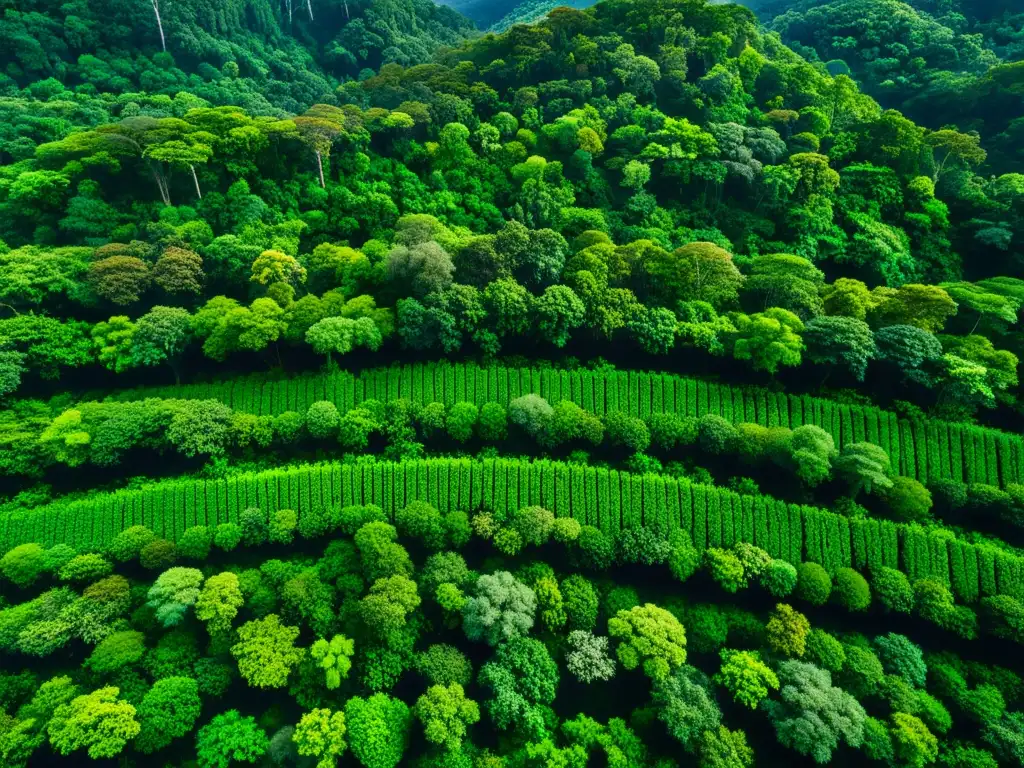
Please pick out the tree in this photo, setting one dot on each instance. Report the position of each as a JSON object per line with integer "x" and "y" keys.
{"x": 162, "y": 335}
{"x": 98, "y": 722}
{"x": 864, "y": 466}
{"x": 723, "y": 748}
{"x": 912, "y": 742}
{"x": 117, "y": 651}
{"x": 341, "y": 335}
{"x": 523, "y": 679}
{"x": 320, "y": 734}
{"x": 915, "y": 353}
{"x": 218, "y": 602}
{"x": 768, "y": 339}
{"x": 266, "y": 652}
{"x": 173, "y": 593}
{"x": 181, "y": 154}
{"x": 228, "y": 738}
{"x": 120, "y": 279}
{"x": 650, "y": 636}
{"x": 579, "y": 599}
{"x": 378, "y": 729}
{"x": 950, "y": 144}
{"x": 386, "y": 608}
{"x": 168, "y": 711}
{"x": 277, "y": 267}
{"x": 927, "y": 307}
{"x": 783, "y": 280}
{"x": 844, "y": 342}
{"x": 787, "y": 631}
{"x": 114, "y": 341}
{"x": 558, "y": 311}
{"x": 695, "y": 272}
{"x": 446, "y": 714}
{"x": 179, "y": 270}
{"x": 426, "y": 267}
{"x": 501, "y": 609}
{"x": 746, "y": 677}
{"x": 685, "y": 704}
{"x": 588, "y": 659}
{"x": 812, "y": 716}
{"x": 12, "y": 366}
{"x": 334, "y": 657}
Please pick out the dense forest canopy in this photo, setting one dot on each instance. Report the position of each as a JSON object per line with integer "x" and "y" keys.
{"x": 939, "y": 62}
{"x": 633, "y": 388}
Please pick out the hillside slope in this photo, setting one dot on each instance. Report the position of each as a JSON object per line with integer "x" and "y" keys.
{"x": 269, "y": 57}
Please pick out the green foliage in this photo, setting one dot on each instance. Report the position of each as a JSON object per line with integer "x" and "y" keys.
{"x": 746, "y": 677}
{"x": 649, "y": 636}
{"x": 230, "y": 737}
{"x": 98, "y": 722}
{"x": 266, "y": 652}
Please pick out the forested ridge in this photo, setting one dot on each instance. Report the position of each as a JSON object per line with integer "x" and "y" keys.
{"x": 633, "y": 388}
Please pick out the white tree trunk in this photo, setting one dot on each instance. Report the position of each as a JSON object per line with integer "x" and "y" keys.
{"x": 320, "y": 167}
{"x": 195, "y": 178}
{"x": 159, "y": 24}
{"x": 347, "y": 17}
{"x": 288, "y": 3}
{"x": 161, "y": 184}
{"x": 309, "y": 7}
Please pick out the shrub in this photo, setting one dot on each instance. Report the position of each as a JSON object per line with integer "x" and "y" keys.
{"x": 899, "y": 656}
{"x": 421, "y": 521}
{"x": 565, "y": 530}
{"x": 322, "y": 419}
{"x": 128, "y": 543}
{"x": 580, "y": 601}
{"x": 254, "y": 524}
{"x": 195, "y": 543}
{"x": 813, "y": 583}
{"x": 595, "y": 549}
{"x": 227, "y": 536}
{"x": 627, "y": 431}
{"x": 716, "y": 435}
{"x": 24, "y": 564}
{"x": 852, "y": 590}
{"x": 779, "y": 578}
{"x": 787, "y": 631}
{"x": 462, "y": 418}
{"x": 908, "y": 500}
{"x": 893, "y": 590}
{"x": 683, "y": 557}
{"x": 158, "y": 555}
{"x": 87, "y": 567}
{"x": 493, "y": 422}
{"x": 725, "y": 568}
{"x": 825, "y": 650}
{"x": 281, "y": 529}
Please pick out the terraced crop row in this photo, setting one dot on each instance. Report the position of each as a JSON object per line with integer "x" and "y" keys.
{"x": 922, "y": 450}
{"x": 608, "y": 499}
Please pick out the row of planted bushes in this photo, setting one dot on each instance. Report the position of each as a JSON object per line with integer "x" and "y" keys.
{"x": 609, "y": 500}
{"x": 923, "y": 450}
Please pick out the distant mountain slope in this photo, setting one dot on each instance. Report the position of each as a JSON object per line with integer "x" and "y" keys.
{"x": 267, "y": 55}
{"x": 938, "y": 61}
{"x": 530, "y": 11}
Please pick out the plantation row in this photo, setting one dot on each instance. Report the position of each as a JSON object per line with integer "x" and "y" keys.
{"x": 922, "y": 450}
{"x": 608, "y": 499}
